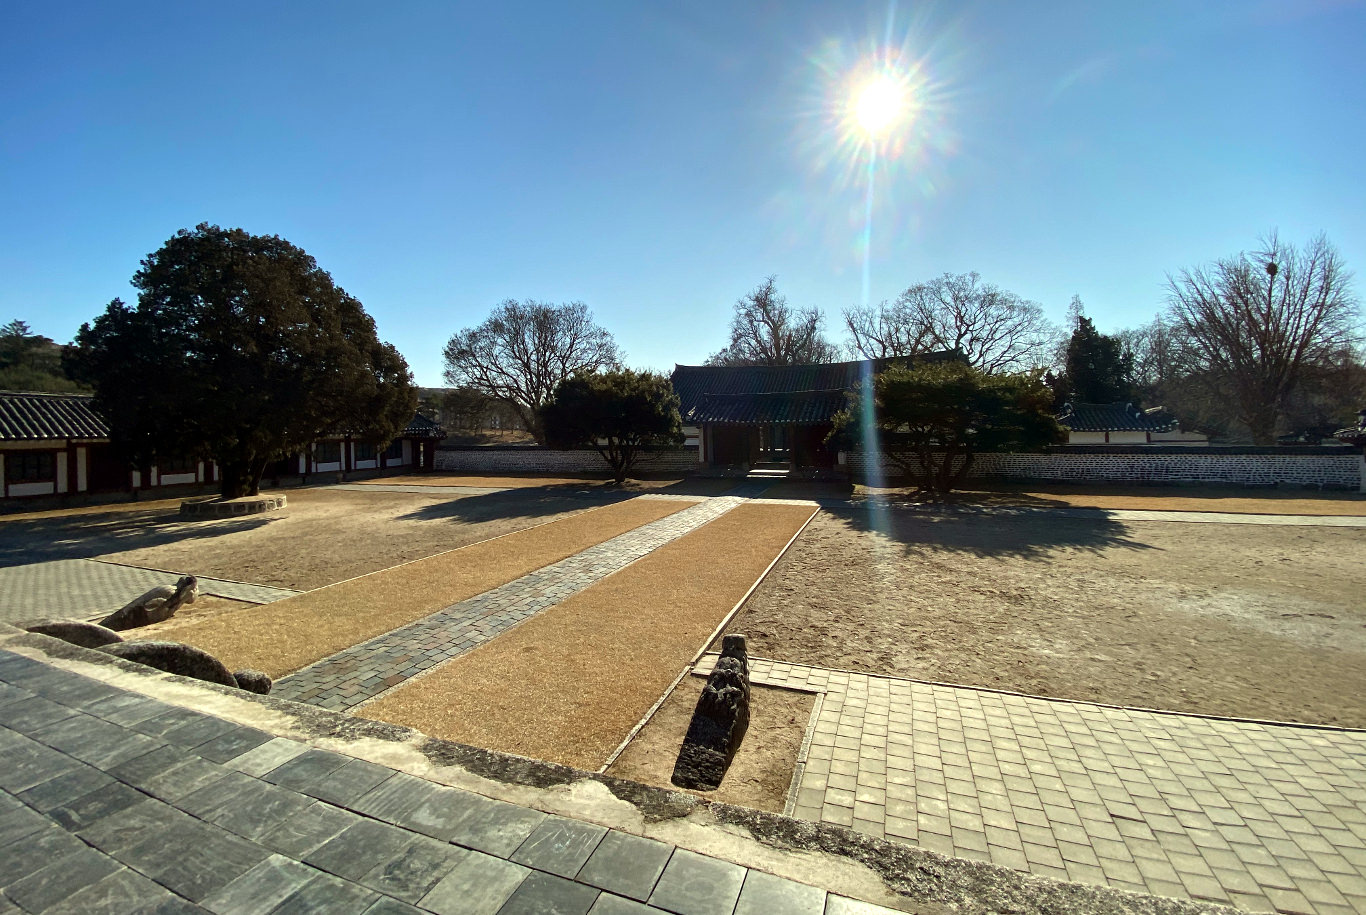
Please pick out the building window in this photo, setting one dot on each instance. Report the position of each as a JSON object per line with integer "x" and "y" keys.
{"x": 365, "y": 451}
{"x": 178, "y": 465}
{"x": 395, "y": 450}
{"x": 30, "y": 467}
{"x": 327, "y": 453}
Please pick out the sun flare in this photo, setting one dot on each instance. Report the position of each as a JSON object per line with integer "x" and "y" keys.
{"x": 879, "y": 105}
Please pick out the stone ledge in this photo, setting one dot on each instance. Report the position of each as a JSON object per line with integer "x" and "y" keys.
{"x": 230, "y": 508}
{"x": 911, "y": 878}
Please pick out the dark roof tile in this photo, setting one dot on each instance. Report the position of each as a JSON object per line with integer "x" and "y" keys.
{"x": 1115, "y": 417}
{"x": 26, "y": 416}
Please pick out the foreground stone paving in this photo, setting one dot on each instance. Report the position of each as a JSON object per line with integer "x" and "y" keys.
{"x": 85, "y": 588}
{"x": 115, "y": 802}
{"x": 1270, "y": 818}
{"x": 362, "y": 672}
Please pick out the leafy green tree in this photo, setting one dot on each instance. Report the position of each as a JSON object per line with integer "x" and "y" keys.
{"x": 1097, "y": 368}
{"x": 32, "y": 362}
{"x": 241, "y": 349}
{"x": 931, "y": 420}
{"x": 619, "y": 412}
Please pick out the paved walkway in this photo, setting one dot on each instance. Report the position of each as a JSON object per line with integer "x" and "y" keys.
{"x": 114, "y": 802}
{"x": 362, "y": 672}
{"x": 1101, "y": 514}
{"x": 1265, "y": 817}
{"x": 89, "y": 587}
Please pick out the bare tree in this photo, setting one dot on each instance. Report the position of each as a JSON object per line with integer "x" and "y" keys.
{"x": 994, "y": 330}
{"x": 767, "y": 331}
{"x": 1256, "y": 326}
{"x": 524, "y": 350}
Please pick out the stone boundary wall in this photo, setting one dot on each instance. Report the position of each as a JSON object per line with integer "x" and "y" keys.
{"x": 1247, "y": 466}
{"x": 531, "y": 459}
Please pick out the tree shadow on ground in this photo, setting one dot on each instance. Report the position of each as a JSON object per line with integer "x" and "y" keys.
{"x": 1022, "y": 534}
{"x": 530, "y": 502}
{"x": 87, "y": 535}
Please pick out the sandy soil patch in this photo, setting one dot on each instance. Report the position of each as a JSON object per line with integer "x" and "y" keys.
{"x": 569, "y": 684}
{"x": 761, "y": 772}
{"x": 1236, "y": 500}
{"x": 699, "y": 486}
{"x": 324, "y": 536}
{"x": 1239, "y": 620}
{"x": 289, "y": 634}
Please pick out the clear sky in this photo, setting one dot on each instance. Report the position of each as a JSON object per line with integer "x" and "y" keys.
{"x": 657, "y": 160}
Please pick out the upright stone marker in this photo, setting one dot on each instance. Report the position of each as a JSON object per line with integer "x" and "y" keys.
{"x": 718, "y": 723}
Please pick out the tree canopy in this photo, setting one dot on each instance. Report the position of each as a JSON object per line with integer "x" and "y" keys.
{"x": 931, "y": 420}
{"x": 524, "y": 350}
{"x": 1258, "y": 325}
{"x": 32, "y": 362}
{"x": 1097, "y": 368}
{"x": 765, "y": 330}
{"x": 618, "y": 412}
{"x": 989, "y": 327}
{"x": 242, "y": 349}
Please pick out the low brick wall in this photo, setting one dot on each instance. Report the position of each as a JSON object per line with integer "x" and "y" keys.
{"x": 531, "y": 459}
{"x": 1310, "y": 467}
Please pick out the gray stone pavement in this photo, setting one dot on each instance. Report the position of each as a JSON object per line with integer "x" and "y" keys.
{"x": 90, "y": 587}
{"x": 362, "y": 672}
{"x": 114, "y": 802}
{"x": 1266, "y": 817}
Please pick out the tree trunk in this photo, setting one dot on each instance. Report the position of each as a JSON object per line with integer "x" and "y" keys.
{"x": 236, "y": 480}
{"x": 258, "y": 469}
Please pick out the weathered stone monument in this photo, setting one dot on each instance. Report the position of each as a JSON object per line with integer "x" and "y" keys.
{"x": 156, "y": 605}
{"x": 77, "y": 632}
{"x": 719, "y": 722}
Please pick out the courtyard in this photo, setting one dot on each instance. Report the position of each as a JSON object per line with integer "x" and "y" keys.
{"x": 559, "y": 619}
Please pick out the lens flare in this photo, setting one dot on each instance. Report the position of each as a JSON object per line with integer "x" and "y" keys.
{"x": 880, "y": 105}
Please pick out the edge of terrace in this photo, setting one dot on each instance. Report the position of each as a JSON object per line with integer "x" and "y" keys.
{"x": 834, "y": 858}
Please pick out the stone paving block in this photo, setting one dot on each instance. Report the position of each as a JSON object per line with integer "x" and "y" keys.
{"x": 119, "y": 893}
{"x": 228, "y": 789}
{"x": 232, "y": 744}
{"x": 69, "y": 785}
{"x": 493, "y": 826}
{"x": 344, "y": 785}
{"x": 359, "y": 849}
{"x": 132, "y": 825}
{"x": 696, "y": 885}
{"x": 764, "y": 893}
{"x": 30, "y": 714}
{"x": 107, "y": 800}
{"x": 260, "y": 889}
{"x": 325, "y": 893}
{"x": 193, "y": 859}
{"x": 626, "y": 865}
{"x": 18, "y": 823}
{"x": 547, "y": 894}
{"x": 199, "y": 731}
{"x": 608, "y": 904}
{"x": 559, "y": 846}
{"x": 412, "y": 873}
{"x": 50, "y": 885}
{"x": 125, "y": 708}
{"x": 172, "y": 717}
{"x": 307, "y": 771}
{"x": 308, "y": 829}
{"x": 478, "y": 885}
{"x": 258, "y": 811}
{"x": 843, "y": 905}
{"x": 36, "y": 851}
{"x": 270, "y": 755}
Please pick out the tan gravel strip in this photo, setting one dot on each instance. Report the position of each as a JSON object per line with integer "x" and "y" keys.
{"x": 286, "y": 635}
{"x": 569, "y": 684}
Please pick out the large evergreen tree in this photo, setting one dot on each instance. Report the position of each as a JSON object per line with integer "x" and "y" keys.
{"x": 618, "y": 412}
{"x": 1097, "y": 369}
{"x": 242, "y": 349}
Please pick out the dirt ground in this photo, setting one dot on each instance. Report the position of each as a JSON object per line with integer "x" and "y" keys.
{"x": 323, "y": 536}
{"x": 286, "y": 635}
{"x": 761, "y": 772}
{"x": 569, "y": 684}
{"x": 667, "y": 484}
{"x": 1242, "y": 620}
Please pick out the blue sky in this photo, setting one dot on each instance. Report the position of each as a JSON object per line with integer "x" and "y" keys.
{"x": 658, "y": 160}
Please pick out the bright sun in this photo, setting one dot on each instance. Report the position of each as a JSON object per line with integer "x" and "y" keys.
{"x": 879, "y": 104}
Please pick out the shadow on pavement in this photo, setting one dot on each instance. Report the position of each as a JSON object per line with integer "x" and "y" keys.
{"x": 87, "y": 535}
{"x": 537, "y": 502}
{"x": 1024, "y": 535}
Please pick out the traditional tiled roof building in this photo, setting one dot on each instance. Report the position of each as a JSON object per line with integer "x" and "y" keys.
{"x": 1124, "y": 424}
